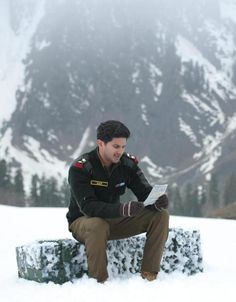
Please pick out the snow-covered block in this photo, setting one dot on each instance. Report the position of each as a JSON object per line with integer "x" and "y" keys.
{"x": 64, "y": 260}
{"x": 183, "y": 252}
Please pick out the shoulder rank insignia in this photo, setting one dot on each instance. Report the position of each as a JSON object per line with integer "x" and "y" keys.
{"x": 80, "y": 163}
{"x": 134, "y": 158}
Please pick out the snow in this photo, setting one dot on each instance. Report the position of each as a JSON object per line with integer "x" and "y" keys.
{"x": 155, "y": 73}
{"x": 82, "y": 143}
{"x": 40, "y": 160}
{"x": 225, "y": 46}
{"x": 231, "y": 126}
{"x": 135, "y": 74}
{"x": 188, "y": 52}
{"x": 152, "y": 168}
{"x": 144, "y": 114}
{"x": 42, "y": 44}
{"x": 14, "y": 49}
{"x": 24, "y": 225}
{"x": 185, "y": 128}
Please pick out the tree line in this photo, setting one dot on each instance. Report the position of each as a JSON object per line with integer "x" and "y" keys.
{"x": 44, "y": 192}
{"x": 188, "y": 200}
{"x": 200, "y": 201}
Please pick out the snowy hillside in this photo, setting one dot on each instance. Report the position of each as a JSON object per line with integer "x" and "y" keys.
{"x": 167, "y": 71}
{"x": 18, "y": 23}
{"x": 23, "y": 225}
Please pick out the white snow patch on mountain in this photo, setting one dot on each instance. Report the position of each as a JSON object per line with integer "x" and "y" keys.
{"x": 187, "y": 130}
{"x": 83, "y": 143}
{"x": 152, "y": 168}
{"x": 225, "y": 47}
{"x": 135, "y": 75}
{"x": 15, "y": 44}
{"x": 155, "y": 74}
{"x": 194, "y": 101}
{"x": 52, "y": 136}
{"x": 208, "y": 165}
{"x": 231, "y": 125}
{"x": 34, "y": 159}
{"x": 144, "y": 114}
{"x": 213, "y": 110}
{"x": 212, "y": 150}
{"x": 188, "y": 52}
{"x": 40, "y": 45}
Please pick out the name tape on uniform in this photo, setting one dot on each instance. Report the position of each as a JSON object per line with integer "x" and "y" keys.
{"x": 99, "y": 183}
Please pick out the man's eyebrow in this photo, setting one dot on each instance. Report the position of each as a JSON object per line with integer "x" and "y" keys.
{"x": 117, "y": 145}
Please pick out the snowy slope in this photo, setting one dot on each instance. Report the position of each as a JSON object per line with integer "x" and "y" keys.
{"x": 23, "y": 225}
{"x": 18, "y": 23}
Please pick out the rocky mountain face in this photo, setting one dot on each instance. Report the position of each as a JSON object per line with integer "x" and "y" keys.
{"x": 165, "y": 69}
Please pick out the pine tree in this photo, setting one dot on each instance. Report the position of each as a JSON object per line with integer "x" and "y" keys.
{"x": 53, "y": 199}
{"x": 49, "y": 195}
{"x": 34, "y": 191}
{"x": 43, "y": 192}
{"x": 5, "y": 180}
{"x": 188, "y": 200}
{"x": 230, "y": 190}
{"x": 188, "y": 76}
{"x": 171, "y": 199}
{"x": 178, "y": 206}
{"x": 19, "y": 182}
{"x": 192, "y": 201}
{"x": 18, "y": 193}
{"x": 65, "y": 193}
{"x": 213, "y": 193}
{"x": 202, "y": 199}
{"x": 196, "y": 204}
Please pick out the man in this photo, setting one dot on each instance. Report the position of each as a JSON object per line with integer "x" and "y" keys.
{"x": 97, "y": 180}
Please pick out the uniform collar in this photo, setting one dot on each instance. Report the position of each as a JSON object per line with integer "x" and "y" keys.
{"x": 111, "y": 168}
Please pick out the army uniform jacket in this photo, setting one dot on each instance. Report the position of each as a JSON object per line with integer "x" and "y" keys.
{"x": 95, "y": 191}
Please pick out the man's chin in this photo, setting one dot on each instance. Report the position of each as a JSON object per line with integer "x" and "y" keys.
{"x": 116, "y": 160}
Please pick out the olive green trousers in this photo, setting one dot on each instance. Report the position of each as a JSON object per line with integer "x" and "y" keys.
{"x": 94, "y": 232}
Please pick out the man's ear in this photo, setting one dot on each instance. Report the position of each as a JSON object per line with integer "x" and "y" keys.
{"x": 100, "y": 143}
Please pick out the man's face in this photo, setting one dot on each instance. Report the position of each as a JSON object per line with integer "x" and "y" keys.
{"x": 112, "y": 151}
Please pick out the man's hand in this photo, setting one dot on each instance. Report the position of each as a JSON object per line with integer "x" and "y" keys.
{"x": 131, "y": 208}
{"x": 161, "y": 203}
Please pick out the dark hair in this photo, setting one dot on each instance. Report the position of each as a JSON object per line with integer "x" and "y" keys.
{"x": 108, "y": 130}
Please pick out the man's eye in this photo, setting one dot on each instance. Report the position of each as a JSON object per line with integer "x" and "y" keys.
{"x": 118, "y": 147}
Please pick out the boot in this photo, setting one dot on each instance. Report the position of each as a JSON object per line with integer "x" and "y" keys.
{"x": 150, "y": 276}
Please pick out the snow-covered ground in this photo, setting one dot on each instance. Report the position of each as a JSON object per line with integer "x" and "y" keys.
{"x": 24, "y": 225}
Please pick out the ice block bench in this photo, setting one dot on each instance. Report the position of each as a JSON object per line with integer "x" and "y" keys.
{"x": 63, "y": 260}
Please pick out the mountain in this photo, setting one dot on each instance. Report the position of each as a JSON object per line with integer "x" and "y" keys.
{"x": 167, "y": 71}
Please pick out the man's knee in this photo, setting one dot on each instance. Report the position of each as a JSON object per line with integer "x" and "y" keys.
{"x": 165, "y": 214}
{"x": 97, "y": 226}
{"x": 94, "y": 227}
{"x": 162, "y": 217}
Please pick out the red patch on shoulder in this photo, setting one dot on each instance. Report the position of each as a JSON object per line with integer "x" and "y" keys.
{"x": 134, "y": 159}
{"x": 79, "y": 165}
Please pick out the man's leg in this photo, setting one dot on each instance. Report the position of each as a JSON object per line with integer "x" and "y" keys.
{"x": 157, "y": 234}
{"x": 156, "y": 226}
{"x": 93, "y": 232}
